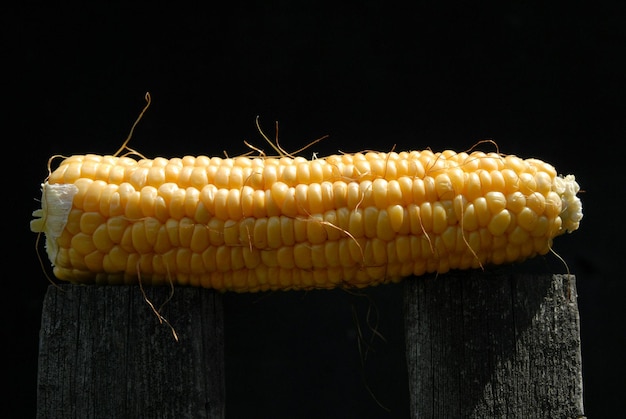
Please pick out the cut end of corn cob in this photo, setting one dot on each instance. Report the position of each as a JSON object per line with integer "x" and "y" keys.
{"x": 51, "y": 218}
{"x": 264, "y": 223}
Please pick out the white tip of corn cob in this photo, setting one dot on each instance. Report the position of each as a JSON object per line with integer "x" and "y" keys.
{"x": 51, "y": 218}
{"x": 572, "y": 211}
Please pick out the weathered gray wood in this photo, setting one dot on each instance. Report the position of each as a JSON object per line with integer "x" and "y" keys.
{"x": 486, "y": 345}
{"x": 105, "y": 354}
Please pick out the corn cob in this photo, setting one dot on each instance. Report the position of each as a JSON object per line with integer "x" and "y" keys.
{"x": 268, "y": 223}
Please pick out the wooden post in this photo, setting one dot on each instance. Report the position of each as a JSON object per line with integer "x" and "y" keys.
{"x": 489, "y": 345}
{"x": 104, "y": 353}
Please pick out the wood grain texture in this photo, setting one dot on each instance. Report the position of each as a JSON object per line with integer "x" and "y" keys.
{"x": 104, "y": 353}
{"x": 490, "y": 345}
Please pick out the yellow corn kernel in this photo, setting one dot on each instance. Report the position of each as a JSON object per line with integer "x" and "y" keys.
{"x": 264, "y": 223}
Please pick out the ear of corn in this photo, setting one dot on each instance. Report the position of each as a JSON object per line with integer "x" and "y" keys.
{"x": 250, "y": 224}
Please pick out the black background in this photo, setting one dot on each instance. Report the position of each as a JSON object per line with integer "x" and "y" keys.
{"x": 543, "y": 80}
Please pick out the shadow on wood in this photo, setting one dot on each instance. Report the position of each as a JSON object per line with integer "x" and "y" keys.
{"x": 489, "y": 345}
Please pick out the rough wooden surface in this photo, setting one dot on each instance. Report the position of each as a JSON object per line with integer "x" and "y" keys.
{"x": 105, "y": 354}
{"x": 493, "y": 346}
